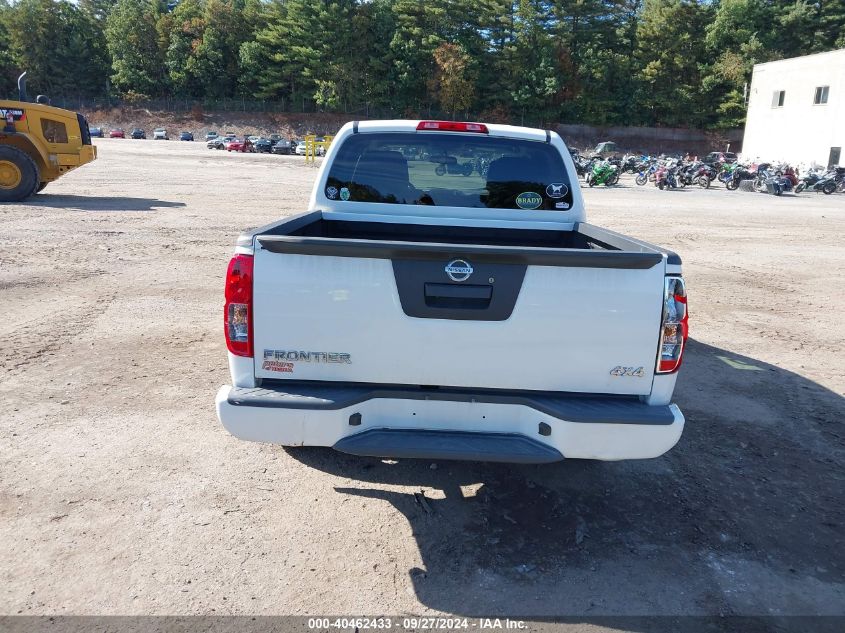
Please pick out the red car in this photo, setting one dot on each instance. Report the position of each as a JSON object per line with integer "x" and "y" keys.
{"x": 238, "y": 145}
{"x": 117, "y": 133}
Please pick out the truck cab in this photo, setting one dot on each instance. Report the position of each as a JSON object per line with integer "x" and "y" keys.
{"x": 468, "y": 312}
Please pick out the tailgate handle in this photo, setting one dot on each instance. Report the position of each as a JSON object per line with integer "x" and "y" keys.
{"x": 453, "y": 296}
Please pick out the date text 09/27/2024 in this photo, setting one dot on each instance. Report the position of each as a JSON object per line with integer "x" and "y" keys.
{"x": 416, "y": 624}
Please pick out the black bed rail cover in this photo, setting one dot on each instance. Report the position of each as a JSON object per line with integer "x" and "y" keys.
{"x": 369, "y": 249}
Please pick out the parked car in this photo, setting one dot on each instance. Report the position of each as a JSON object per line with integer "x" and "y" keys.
{"x": 254, "y": 138}
{"x": 300, "y": 149}
{"x": 160, "y": 134}
{"x": 231, "y": 135}
{"x": 117, "y": 133}
{"x": 284, "y": 147}
{"x": 186, "y": 136}
{"x": 720, "y": 157}
{"x": 275, "y": 138}
{"x": 96, "y": 132}
{"x": 210, "y": 136}
{"x": 419, "y": 376}
{"x": 138, "y": 133}
{"x": 263, "y": 146}
{"x": 216, "y": 143}
{"x": 238, "y": 145}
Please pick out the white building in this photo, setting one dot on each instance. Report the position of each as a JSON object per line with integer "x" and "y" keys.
{"x": 796, "y": 110}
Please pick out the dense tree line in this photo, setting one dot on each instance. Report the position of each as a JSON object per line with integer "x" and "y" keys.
{"x": 623, "y": 62}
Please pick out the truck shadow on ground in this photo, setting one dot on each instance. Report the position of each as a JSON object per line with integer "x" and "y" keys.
{"x": 744, "y": 516}
{"x": 99, "y": 203}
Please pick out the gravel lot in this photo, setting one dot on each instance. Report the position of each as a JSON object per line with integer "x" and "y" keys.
{"x": 120, "y": 493}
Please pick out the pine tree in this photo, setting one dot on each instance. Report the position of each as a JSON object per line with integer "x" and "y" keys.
{"x": 372, "y": 30}
{"x": 412, "y": 50}
{"x": 669, "y": 52}
{"x": 186, "y": 28}
{"x": 57, "y": 44}
{"x": 794, "y": 31}
{"x": 739, "y": 36}
{"x": 284, "y": 47}
{"x": 7, "y": 72}
{"x": 97, "y": 9}
{"x": 82, "y": 52}
{"x": 536, "y": 83}
{"x": 830, "y": 31}
{"x": 133, "y": 42}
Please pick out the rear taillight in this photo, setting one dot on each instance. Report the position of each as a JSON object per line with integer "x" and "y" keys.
{"x": 237, "y": 314}
{"x": 674, "y": 328}
{"x": 451, "y": 126}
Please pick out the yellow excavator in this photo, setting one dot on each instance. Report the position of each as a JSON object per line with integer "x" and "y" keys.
{"x": 38, "y": 144}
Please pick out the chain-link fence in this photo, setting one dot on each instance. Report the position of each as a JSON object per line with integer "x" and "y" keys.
{"x": 289, "y": 106}
{"x": 184, "y": 105}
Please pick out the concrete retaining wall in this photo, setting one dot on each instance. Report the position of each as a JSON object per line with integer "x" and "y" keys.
{"x": 652, "y": 139}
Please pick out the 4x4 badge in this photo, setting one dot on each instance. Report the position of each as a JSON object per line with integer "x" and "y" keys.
{"x": 636, "y": 372}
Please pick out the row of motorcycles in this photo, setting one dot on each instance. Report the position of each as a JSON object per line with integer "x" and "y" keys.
{"x": 779, "y": 179}
{"x": 664, "y": 173}
{"x": 825, "y": 181}
{"x": 673, "y": 173}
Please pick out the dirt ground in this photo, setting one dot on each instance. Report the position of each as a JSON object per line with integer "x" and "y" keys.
{"x": 120, "y": 492}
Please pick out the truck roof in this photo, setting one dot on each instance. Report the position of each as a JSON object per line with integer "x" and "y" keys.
{"x": 406, "y": 125}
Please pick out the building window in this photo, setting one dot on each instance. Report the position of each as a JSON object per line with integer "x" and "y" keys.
{"x": 821, "y": 95}
{"x": 54, "y": 131}
{"x": 778, "y": 98}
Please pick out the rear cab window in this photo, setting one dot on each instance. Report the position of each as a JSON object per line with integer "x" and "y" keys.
{"x": 452, "y": 170}
{"x": 54, "y": 131}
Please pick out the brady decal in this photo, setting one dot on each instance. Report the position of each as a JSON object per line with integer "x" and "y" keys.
{"x": 529, "y": 200}
{"x": 344, "y": 194}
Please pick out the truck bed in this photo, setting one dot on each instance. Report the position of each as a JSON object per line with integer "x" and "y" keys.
{"x": 312, "y": 233}
{"x": 571, "y": 305}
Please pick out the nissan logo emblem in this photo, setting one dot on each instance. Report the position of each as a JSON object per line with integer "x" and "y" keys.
{"x": 458, "y": 270}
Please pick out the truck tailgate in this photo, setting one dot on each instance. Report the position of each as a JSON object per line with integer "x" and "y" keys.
{"x": 581, "y": 321}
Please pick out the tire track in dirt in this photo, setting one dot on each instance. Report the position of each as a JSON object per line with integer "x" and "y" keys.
{"x": 50, "y": 332}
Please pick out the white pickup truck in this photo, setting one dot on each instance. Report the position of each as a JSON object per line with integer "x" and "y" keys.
{"x": 444, "y": 298}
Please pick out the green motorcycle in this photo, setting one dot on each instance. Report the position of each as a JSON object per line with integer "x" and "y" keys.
{"x": 603, "y": 173}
